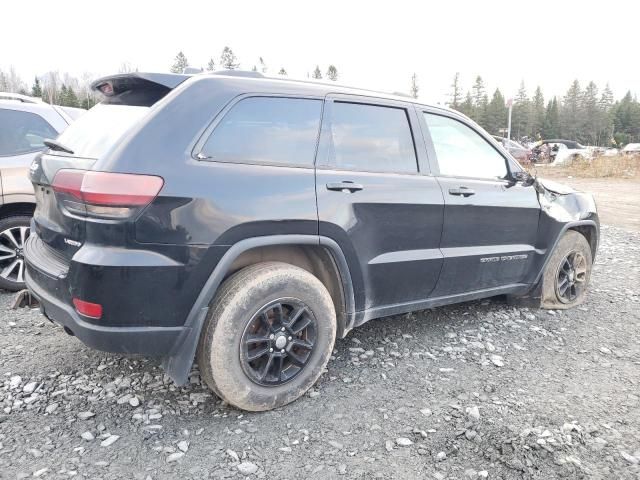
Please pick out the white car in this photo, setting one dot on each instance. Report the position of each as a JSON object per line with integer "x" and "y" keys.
{"x": 25, "y": 122}
{"x": 631, "y": 149}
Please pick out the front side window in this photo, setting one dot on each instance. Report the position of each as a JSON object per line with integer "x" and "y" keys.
{"x": 267, "y": 130}
{"x": 23, "y": 132}
{"x": 371, "y": 138}
{"x": 461, "y": 151}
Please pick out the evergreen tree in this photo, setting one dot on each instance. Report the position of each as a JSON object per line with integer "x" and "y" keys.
{"x": 591, "y": 115}
{"x": 537, "y": 114}
{"x": 414, "y": 86}
{"x": 570, "y": 115}
{"x": 551, "y": 125}
{"x": 317, "y": 74}
{"x": 211, "y": 66}
{"x": 179, "y": 63}
{"x": 496, "y": 114}
{"x": 72, "y": 98}
{"x": 456, "y": 93}
{"x": 36, "y": 90}
{"x": 606, "y": 108}
{"x": 466, "y": 107}
{"x": 62, "y": 98}
{"x": 521, "y": 114}
{"x": 627, "y": 120}
{"x": 228, "y": 59}
{"x": 332, "y": 73}
{"x": 282, "y": 72}
{"x": 480, "y": 101}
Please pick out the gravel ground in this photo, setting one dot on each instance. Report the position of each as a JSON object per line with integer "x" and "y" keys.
{"x": 477, "y": 390}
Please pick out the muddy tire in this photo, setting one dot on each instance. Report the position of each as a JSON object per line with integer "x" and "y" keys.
{"x": 567, "y": 274}
{"x": 14, "y": 230}
{"x": 268, "y": 336}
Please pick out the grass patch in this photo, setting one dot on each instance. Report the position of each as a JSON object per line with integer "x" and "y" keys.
{"x": 619, "y": 166}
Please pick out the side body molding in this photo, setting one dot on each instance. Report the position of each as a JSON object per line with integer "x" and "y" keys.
{"x": 178, "y": 364}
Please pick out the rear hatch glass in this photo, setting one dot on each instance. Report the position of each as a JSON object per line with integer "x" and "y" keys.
{"x": 97, "y": 131}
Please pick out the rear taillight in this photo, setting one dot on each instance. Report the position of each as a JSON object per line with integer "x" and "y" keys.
{"x": 88, "y": 309}
{"x": 105, "y": 194}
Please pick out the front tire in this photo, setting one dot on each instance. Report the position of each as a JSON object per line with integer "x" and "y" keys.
{"x": 14, "y": 231}
{"x": 567, "y": 274}
{"x": 268, "y": 336}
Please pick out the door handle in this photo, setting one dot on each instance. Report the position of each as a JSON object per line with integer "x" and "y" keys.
{"x": 345, "y": 186}
{"x": 462, "y": 191}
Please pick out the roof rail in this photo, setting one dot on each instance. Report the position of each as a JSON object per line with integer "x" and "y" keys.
{"x": 239, "y": 73}
{"x": 19, "y": 97}
{"x": 191, "y": 70}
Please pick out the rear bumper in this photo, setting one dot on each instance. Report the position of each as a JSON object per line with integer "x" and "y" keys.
{"x": 152, "y": 341}
{"x": 54, "y": 280}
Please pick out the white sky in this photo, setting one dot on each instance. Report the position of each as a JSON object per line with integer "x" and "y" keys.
{"x": 374, "y": 44}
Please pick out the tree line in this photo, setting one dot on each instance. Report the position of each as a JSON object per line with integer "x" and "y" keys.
{"x": 229, "y": 61}
{"x": 588, "y": 115}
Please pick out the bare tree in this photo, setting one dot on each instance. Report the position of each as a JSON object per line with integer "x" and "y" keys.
{"x": 414, "y": 86}
{"x": 51, "y": 87}
{"x": 127, "y": 67}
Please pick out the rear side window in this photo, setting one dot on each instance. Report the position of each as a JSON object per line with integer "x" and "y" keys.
{"x": 267, "y": 130}
{"x": 461, "y": 151}
{"x": 23, "y": 132}
{"x": 371, "y": 138}
{"x": 100, "y": 129}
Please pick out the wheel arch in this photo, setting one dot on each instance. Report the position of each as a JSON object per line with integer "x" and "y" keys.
{"x": 590, "y": 229}
{"x": 16, "y": 209}
{"x": 321, "y": 256}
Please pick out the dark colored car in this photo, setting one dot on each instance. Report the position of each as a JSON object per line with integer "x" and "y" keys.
{"x": 250, "y": 221}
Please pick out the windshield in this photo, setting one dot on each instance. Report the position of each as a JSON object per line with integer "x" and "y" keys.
{"x": 98, "y": 130}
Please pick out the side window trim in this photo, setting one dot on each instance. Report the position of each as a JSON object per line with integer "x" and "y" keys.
{"x": 198, "y": 146}
{"x": 325, "y": 141}
{"x": 433, "y": 155}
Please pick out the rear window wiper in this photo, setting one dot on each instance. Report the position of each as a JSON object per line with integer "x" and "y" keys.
{"x": 57, "y": 146}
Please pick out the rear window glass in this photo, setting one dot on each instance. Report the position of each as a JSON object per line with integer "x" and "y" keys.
{"x": 267, "y": 130}
{"x": 98, "y": 130}
{"x": 23, "y": 132}
{"x": 371, "y": 138}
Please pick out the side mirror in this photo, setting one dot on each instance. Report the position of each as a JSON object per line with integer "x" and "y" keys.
{"x": 523, "y": 177}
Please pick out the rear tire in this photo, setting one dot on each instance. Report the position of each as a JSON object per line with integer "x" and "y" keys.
{"x": 14, "y": 230}
{"x": 254, "y": 352}
{"x": 567, "y": 273}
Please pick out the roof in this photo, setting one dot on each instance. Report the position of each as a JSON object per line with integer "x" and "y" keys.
{"x": 19, "y": 97}
{"x": 308, "y": 87}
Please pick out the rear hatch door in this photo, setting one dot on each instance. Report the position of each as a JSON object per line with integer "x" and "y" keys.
{"x": 128, "y": 99}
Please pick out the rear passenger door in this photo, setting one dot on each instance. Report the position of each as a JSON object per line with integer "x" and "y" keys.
{"x": 490, "y": 221}
{"x": 378, "y": 201}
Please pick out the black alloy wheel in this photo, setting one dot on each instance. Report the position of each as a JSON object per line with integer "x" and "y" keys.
{"x": 278, "y": 342}
{"x": 571, "y": 278}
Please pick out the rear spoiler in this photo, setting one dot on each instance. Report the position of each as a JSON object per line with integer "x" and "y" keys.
{"x": 142, "y": 89}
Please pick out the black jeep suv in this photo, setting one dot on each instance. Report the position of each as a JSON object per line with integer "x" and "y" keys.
{"x": 248, "y": 221}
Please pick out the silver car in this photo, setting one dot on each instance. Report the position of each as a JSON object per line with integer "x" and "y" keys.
{"x": 24, "y": 124}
